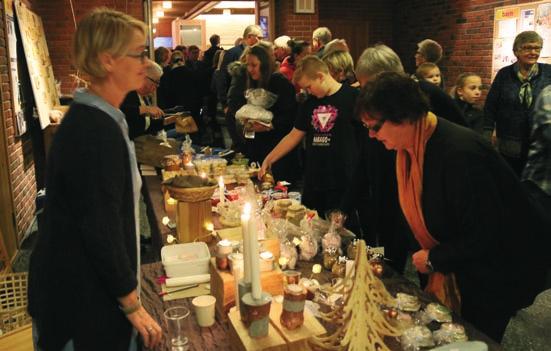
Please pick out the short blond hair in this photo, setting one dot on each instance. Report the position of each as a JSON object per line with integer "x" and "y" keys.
{"x": 322, "y": 34}
{"x": 309, "y": 66}
{"x": 103, "y": 30}
{"x": 339, "y": 61}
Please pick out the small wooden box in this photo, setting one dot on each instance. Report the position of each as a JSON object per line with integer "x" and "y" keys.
{"x": 222, "y": 286}
{"x": 279, "y": 338}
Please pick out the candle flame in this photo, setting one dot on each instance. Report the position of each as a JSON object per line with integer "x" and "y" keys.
{"x": 165, "y": 220}
{"x": 203, "y": 175}
{"x": 209, "y": 227}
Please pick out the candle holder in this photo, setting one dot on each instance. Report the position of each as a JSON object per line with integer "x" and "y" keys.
{"x": 222, "y": 261}
{"x": 243, "y": 289}
{"x": 291, "y": 277}
{"x": 257, "y": 314}
{"x": 292, "y": 315}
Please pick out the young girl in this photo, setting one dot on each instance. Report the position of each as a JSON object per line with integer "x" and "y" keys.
{"x": 467, "y": 94}
{"x": 429, "y": 72}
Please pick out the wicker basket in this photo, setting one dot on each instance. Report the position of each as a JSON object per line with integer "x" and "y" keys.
{"x": 191, "y": 194}
{"x": 13, "y": 302}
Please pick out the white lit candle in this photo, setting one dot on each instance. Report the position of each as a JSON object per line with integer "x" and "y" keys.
{"x": 255, "y": 261}
{"x": 221, "y": 189}
{"x": 245, "y": 219}
{"x": 171, "y": 207}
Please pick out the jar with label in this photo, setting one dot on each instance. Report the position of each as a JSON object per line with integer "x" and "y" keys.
{"x": 292, "y": 315}
{"x": 330, "y": 256}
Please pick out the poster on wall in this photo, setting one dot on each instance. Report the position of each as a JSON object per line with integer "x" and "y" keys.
{"x": 19, "y": 118}
{"x": 543, "y": 27}
{"x": 38, "y": 61}
{"x": 527, "y": 20}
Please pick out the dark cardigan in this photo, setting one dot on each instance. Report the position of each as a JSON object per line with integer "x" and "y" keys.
{"x": 136, "y": 122}
{"x": 85, "y": 256}
{"x": 488, "y": 228}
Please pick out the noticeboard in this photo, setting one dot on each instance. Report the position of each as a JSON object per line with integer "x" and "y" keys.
{"x": 510, "y": 21}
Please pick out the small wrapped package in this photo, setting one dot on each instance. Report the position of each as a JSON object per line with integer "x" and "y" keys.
{"x": 256, "y": 109}
{"x": 308, "y": 247}
{"x": 449, "y": 333}
{"x": 289, "y": 251}
{"x": 438, "y": 312}
{"x": 416, "y": 338}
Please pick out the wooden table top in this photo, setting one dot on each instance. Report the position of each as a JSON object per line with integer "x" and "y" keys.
{"x": 216, "y": 337}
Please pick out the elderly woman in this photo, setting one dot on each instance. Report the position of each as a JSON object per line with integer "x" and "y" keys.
{"x": 463, "y": 204}
{"x": 84, "y": 271}
{"x": 510, "y": 102}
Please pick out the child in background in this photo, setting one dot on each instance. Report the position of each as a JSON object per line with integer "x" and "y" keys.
{"x": 429, "y": 72}
{"x": 467, "y": 92}
{"x": 327, "y": 121}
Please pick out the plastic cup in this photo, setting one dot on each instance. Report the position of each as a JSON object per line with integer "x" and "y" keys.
{"x": 175, "y": 319}
{"x": 204, "y": 310}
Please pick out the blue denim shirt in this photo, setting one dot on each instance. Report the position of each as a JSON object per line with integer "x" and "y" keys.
{"x": 83, "y": 96}
{"x": 538, "y": 166}
{"x": 504, "y": 111}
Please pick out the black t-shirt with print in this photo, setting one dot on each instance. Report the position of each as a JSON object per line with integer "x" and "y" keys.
{"x": 331, "y": 139}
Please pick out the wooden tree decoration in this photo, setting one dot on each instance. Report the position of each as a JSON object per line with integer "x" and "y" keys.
{"x": 362, "y": 324}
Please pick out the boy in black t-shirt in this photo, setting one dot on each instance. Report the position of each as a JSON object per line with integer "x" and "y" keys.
{"x": 326, "y": 118}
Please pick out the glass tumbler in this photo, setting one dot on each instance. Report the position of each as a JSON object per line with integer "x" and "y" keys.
{"x": 176, "y": 318}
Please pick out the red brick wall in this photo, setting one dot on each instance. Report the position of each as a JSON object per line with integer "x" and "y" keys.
{"x": 295, "y": 25}
{"x": 59, "y": 28}
{"x": 20, "y": 160}
{"x": 463, "y": 28}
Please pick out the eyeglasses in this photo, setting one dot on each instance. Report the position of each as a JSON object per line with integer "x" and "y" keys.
{"x": 141, "y": 56}
{"x": 530, "y": 48}
{"x": 376, "y": 127}
{"x": 156, "y": 82}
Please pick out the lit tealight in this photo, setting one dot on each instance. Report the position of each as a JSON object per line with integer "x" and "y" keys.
{"x": 316, "y": 269}
{"x": 209, "y": 227}
{"x": 170, "y": 238}
{"x": 165, "y": 220}
{"x": 266, "y": 255}
{"x": 283, "y": 261}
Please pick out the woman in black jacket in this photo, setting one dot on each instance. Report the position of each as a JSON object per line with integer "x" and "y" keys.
{"x": 84, "y": 270}
{"x": 477, "y": 232}
{"x": 261, "y": 74}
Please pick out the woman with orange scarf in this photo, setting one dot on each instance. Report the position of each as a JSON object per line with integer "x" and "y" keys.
{"x": 476, "y": 229}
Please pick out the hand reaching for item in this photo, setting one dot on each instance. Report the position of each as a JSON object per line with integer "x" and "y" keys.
{"x": 152, "y": 111}
{"x": 264, "y": 168}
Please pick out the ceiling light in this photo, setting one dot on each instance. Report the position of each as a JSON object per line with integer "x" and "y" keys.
{"x": 167, "y": 4}
{"x": 155, "y": 20}
{"x": 154, "y": 30}
{"x": 160, "y": 13}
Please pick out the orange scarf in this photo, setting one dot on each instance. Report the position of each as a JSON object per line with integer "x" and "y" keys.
{"x": 409, "y": 173}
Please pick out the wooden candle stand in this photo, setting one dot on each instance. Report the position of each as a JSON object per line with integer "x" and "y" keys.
{"x": 222, "y": 286}
{"x": 191, "y": 220}
{"x": 279, "y": 338}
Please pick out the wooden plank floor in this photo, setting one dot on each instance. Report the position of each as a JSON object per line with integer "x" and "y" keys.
{"x": 21, "y": 340}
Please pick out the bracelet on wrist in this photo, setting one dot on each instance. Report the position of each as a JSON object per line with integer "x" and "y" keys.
{"x": 131, "y": 308}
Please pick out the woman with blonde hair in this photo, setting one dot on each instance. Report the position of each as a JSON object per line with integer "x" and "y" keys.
{"x": 84, "y": 271}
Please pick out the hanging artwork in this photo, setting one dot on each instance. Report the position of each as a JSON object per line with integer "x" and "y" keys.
{"x": 38, "y": 61}
{"x": 18, "y": 116}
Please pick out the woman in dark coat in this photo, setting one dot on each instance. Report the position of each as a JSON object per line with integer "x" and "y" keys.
{"x": 84, "y": 270}
{"x": 477, "y": 231}
{"x": 261, "y": 74}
